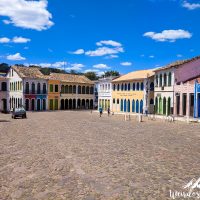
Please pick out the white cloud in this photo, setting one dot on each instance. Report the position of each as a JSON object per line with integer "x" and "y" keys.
{"x": 109, "y": 43}
{"x": 16, "y": 56}
{"x": 102, "y": 51}
{"x": 101, "y": 66}
{"x": 190, "y": 6}
{"x": 169, "y": 35}
{"x": 126, "y": 63}
{"x": 151, "y": 56}
{"x": 111, "y": 56}
{"x": 26, "y": 14}
{"x": 78, "y": 52}
{"x": 4, "y": 40}
{"x": 43, "y": 64}
{"x": 76, "y": 67}
{"x": 20, "y": 40}
{"x": 179, "y": 55}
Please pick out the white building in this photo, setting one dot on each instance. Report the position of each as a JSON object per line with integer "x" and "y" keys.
{"x": 105, "y": 92}
{"x": 28, "y": 88}
{"x": 164, "y": 90}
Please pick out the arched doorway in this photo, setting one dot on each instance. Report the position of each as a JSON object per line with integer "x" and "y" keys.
{"x": 79, "y": 104}
{"x": 125, "y": 105}
{"x": 74, "y": 103}
{"x": 83, "y": 103}
{"x": 141, "y": 106}
{"x": 137, "y": 106}
{"x": 44, "y": 104}
{"x": 121, "y": 109}
{"x": 27, "y": 104}
{"x": 91, "y": 104}
{"x": 164, "y": 106}
{"x": 128, "y": 106}
{"x": 133, "y": 105}
{"x": 38, "y": 105}
{"x": 33, "y": 104}
{"x": 87, "y": 104}
{"x": 160, "y": 105}
{"x": 62, "y": 104}
{"x": 66, "y": 104}
{"x": 70, "y": 104}
{"x": 169, "y": 106}
{"x": 156, "y": 105}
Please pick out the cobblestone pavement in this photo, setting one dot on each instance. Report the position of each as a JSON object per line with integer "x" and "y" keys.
{"x": 77, "y": 155}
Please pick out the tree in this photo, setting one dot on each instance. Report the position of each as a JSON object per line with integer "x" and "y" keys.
{"x": 4, "y": 67}
{"x": 111, "y": 73}
{"x": 91, "y": 75}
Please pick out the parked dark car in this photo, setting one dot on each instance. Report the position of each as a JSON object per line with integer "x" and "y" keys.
{"x": 19, "y": 112}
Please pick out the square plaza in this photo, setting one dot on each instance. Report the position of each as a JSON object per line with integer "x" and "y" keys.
{"x": 78, "y": 155}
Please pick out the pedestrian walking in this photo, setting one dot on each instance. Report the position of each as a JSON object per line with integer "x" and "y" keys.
{"x": 100, "y": 111}
{"x": 108, "y": 111}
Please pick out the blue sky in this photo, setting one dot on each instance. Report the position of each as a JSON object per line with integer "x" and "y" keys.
{"x": 99, "y": 35}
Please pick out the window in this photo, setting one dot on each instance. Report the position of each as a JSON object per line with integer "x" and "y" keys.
{"x": 160, "y": 80}
{"x": 142, "y": 86}
{"x": 151, "y": 86}
{"x": 118, "y": 87}
{"x": 70, "y": 89}
{"x": 56, "y": 88}
{"x": 113, "y": 100}
{"x": 133, "y": 86}
{"x": 33, "y": 88}
{"x": 38, "y": 88}
{"x": 87, "y": 90}
{"x": 27, "y": 88}
{"x": 125, "y": 87}
{"x": 79, "y": 89}
{"x": 117, "y": 101}
{"x": 44, "y": 88}
{"x": 129, "y": 87}
{"x": 170, "y": 79}
{"x": 51, "y": 88}
{"x": 114, "y": 87}
{"x": 91, "y": 90}
{"x": 138, "y": 86}
{"x": 156, "y": 80}
{"x": 4, "y": 86}
{"x": 74, "y": 89}
{"x": 165, "y": 79}
{"x": 122, "y": 87}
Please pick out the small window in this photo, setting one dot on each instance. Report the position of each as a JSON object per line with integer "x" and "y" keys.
{"x": 142, "y": 86}
{"x": 56, "y": 88}
{"x": 117, "y": 101}
{"x": 113, "y": 100}
{"x": 51, "y": 88}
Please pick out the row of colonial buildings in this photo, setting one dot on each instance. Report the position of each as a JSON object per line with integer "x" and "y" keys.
{"x": 170, "y": 90}
{"x": 28, "y": 87}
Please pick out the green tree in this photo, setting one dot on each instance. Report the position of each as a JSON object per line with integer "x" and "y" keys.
{"x": 91, "y": 75}
{"x": 4, "y": 67}
{"x": 111, "y": 73}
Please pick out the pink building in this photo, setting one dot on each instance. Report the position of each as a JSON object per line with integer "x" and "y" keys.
{"x": 184, "y": 98}
{"x": 185, "y": 76}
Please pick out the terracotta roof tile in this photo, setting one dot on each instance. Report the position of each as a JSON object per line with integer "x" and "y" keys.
{"x": 136, "y": 75}
{"x": 29, "y": 72}
{"x": 71, "y": 78}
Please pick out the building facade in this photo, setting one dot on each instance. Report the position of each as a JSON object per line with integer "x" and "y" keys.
{"x": 54, "y": 89}
{"x": 4, "y": 94}
{"x": 28, "y": 88}
{"x": 133, "y": 92}
{"x": 77, "y": 91}
{"x": 105, "y": 93}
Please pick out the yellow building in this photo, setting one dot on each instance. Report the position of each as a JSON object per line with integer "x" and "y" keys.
{"x": 53, "y": 93}
{"x": 134, "y": 92}
{"x": 76, "y": 91}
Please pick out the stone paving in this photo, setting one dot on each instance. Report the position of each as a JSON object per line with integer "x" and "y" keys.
{"x": 77, "y": 155}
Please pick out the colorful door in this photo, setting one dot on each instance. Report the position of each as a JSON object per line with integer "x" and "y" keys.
{"x": 51, "y": 104}
{"x": 137, "y": 106}
{"x": 141, "y": 106}
{"x": 128, "y": 109}
{"x": 133, "y": 106}
{"x": 125, "y": 105}
{"x": 121, "y": 105}
{"x": 198, "y": 102}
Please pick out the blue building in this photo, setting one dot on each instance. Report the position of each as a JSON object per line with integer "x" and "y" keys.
{"x": 197, "y": 100}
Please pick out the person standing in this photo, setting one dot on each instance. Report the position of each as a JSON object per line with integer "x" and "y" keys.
{"x": 108, "y": 111}
{"x": 100, "y": 111}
